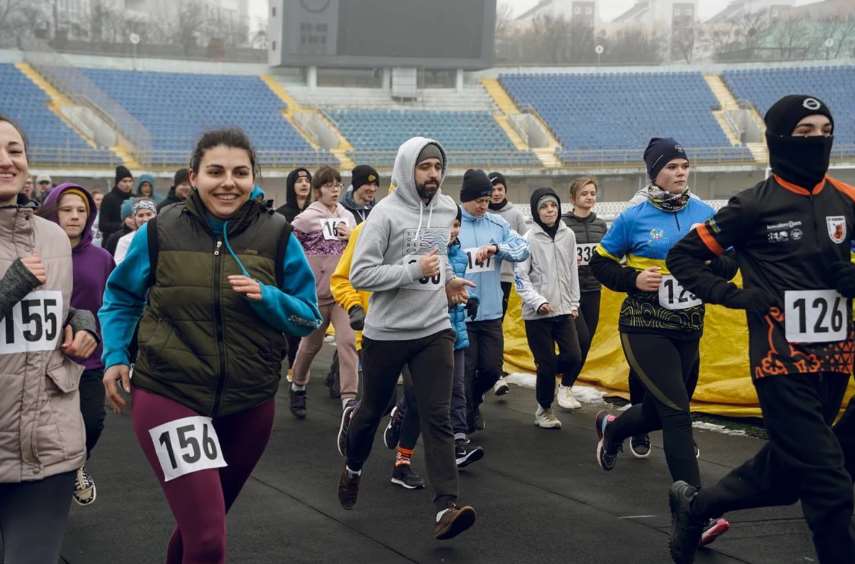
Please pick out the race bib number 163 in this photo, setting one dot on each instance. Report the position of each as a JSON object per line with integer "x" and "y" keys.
{"x": 35, "y": 323}
{"x": 186, "y": 445}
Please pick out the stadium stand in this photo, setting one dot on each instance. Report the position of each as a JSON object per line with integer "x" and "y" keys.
{"x": 472, "y": 138}
{"x": 610, "y": 117}
{"x": 762, "y": 87}
{"x": 51, "y": 141}
{"x": 176, "y": 108}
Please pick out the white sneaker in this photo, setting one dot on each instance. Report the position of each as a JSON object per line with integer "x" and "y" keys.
{"x": 545, "y": 419}
{"x": 501, "y": 387}
{"x": 566, "y": 399}
{"x": 84, "y": 487}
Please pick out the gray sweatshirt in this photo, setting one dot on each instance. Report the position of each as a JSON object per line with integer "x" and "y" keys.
{"x": 516, "y": 219}
{"x": 404, "y": 304}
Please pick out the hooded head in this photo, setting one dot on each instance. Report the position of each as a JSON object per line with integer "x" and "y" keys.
{"x": 291, "y": 199}
{"x": 51, "y": 205}
{"x": 801, "y": 158}
{"x": 538, "y": 199}
{"x": 416, "y": 152}
{"x": 143, "y": 179}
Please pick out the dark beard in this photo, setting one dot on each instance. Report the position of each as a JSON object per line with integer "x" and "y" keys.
{"x": 426, "y": 193}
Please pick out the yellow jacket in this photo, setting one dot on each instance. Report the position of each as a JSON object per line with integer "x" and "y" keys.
{"x": 343, "y": 292}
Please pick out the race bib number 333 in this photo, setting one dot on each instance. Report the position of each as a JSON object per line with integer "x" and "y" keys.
{"x": 187, "y": 445}
{"x": 815, "y": 316}
{"x": 35, "y": 323}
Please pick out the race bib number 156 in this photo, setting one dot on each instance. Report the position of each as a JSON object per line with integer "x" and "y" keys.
{"x": 34, "y": 325}
{"x": 186, "y": 445}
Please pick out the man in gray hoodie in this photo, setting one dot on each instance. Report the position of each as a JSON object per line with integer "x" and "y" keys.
{"x": 401, "y": 257}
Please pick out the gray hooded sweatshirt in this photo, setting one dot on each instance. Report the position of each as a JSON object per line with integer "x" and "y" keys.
{"x": 405, "y": 305}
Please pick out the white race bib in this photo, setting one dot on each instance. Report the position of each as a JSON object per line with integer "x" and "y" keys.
{"x": 675, "y": 297}
{"x": 35, "y": 323}
{"x": 475, "y": 267}
{"x": 329, "y": 225}
{"x": 584, "y": 252}
{"x": 427, "y": 283}
{"x": 815, "y": 316}
{"x": 187, "y": 445}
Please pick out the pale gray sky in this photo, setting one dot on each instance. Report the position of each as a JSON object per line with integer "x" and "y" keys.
{"x": 609, "y": 9}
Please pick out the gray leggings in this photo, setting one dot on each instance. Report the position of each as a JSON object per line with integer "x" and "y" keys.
{"x": 32, "y": 519}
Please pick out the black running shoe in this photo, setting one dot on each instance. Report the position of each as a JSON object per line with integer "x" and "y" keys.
{"x": 714, "y": 529}
{"x": 298, "y": 402}
{"x": 348, "y": 488}
{"x": 403, "y": 475}
{"x": 465, "y": 455}
{"x": 392, "y": 433}
{"x": 686, "y": 529}
{"x": 639, "y": 445}
{"x": 346, "y": 416}
{"x": 454, "y": 521}
{"x": 607, "y": 453}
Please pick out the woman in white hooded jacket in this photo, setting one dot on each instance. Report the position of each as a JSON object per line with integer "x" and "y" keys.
{"x": 548, "y": 284}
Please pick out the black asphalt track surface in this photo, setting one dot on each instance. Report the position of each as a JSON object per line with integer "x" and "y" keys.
{"x": 539, "y": 494}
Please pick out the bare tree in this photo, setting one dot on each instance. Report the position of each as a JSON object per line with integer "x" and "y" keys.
{"x": 634, "y": 46}
{"x": 792, "y": 37}
{"x": 504, "y": 20}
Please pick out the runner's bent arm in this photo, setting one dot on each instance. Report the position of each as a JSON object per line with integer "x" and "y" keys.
{"x": 15, "y": 284}
{"x": 293, "y": 307}
{"x": 342, "y": 290}
{"x": 513, "y": 247}
{"x": 367, "y": 272}
{"x": 606, "y": 258}
{"x": 124, "y": 299}
{"x": 525, "y": 288}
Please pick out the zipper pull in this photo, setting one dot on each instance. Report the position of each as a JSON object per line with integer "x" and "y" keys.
{"x": 217, "y": 249}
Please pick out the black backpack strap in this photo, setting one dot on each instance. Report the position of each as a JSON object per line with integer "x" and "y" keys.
{"x": 153, "y": 249}
{"x": 282, "y": 247}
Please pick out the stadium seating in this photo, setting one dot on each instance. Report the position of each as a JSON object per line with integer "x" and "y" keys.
{"x": 610, "y": 117}
{"x": 51, "y": 141}
{"x": 835, "y": 85}
{"x": 470, "y": 137}
{"x": 176, "y": 108}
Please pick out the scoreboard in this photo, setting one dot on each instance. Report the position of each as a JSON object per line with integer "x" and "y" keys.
{"x": 434, "y": 34}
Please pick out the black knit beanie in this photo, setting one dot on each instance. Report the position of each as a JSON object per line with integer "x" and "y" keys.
{"x": 362, "y": 175}
{"x": 122, "y": 172}
{"x": 786, "y": 113}
{"x": 659, "y": 152}
{"x": 475, "y": 185}
{"x": 182, "y": 175}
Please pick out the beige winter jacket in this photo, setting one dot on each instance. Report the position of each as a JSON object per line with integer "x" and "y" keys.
{"x": 41, "y": 429}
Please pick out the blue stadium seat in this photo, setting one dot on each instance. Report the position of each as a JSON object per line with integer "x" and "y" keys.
{"x": 51, "y": 141}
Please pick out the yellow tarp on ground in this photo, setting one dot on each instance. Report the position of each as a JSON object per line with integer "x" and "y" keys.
{"x": 724, "y": 386}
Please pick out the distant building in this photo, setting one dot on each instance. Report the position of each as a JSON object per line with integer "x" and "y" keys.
{"x": 583, "y": 12}
{"x": 674, "y": 20}
{"x": 738, "y": 10}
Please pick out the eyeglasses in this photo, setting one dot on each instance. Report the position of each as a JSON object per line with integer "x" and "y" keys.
{"x": 331, "y": 185}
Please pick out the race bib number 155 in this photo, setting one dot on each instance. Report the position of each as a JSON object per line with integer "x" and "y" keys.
{"x": 35, "y": 323}
{"x": 187, "y": 445}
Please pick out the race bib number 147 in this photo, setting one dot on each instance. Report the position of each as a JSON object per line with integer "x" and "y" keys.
{"x": 35, "y": 323}
{"x": 186, "y": 445}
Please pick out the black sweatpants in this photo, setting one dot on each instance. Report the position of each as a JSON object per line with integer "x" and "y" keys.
{"x": 483, "y": 362}
{"x": 666, "y": 366}
{"x": 92, "y": 406}
{"x": 506, "y": 295}
{"x": 586, "y": 326}
{"x": 802, "y": 461}
{"x": 430, "y": 359}
{"x": 844, "y": 430}
{"x": 543, "y": 335}
{"x": 33, "y": 517}
{"x": 407, "y": 405}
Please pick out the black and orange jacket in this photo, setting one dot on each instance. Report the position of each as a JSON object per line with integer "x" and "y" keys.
{"x": 785, "y": 237}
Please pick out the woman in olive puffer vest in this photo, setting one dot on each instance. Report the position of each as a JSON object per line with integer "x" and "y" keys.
{"x": 41, "y": 429}
{"x": 215, "y": 283}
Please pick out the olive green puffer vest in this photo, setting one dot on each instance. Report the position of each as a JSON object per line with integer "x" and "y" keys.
{"x": 200, "y": 342}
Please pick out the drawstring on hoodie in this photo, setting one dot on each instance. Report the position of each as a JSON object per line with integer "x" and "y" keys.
{"x": 430, "y": 217}
{"x": 243, "y": 269}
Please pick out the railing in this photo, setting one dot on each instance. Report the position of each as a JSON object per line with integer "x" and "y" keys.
{"x": 71, "y": 157}
{"x": 456, "y": 158}
{"x": 159, "y": 158}
{"x": 609, "y": 158}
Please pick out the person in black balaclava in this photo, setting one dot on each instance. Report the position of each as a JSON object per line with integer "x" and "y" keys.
{"x": 298, "y": 193}
{"x": 792, "y": 235}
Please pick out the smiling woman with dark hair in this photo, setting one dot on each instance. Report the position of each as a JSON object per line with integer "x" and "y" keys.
{"x": 215, "y": 282}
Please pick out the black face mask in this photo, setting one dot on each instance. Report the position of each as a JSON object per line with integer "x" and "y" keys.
{"x": 801, "y": 160}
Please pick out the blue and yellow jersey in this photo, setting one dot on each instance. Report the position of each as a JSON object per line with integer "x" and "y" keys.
{"x": 643, "y": 235}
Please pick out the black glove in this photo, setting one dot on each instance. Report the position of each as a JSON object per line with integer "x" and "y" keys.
{"x": 472, "y": 308}
{"x": 841, "y": 275}
{"x": 357, "y": 318}
{"x": 752, "y": 299}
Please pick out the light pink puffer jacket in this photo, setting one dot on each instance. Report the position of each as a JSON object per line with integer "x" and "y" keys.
{"x": 41, "y": 429}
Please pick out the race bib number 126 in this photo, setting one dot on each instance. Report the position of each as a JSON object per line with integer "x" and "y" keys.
{"x": 815, "y": 316}
{"x": 35, "y": 323}
{"x": 186, "y": 445}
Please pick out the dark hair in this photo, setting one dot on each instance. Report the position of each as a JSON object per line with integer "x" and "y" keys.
{"x": 580, "y": 183}
{"x": 20, "y": 131}
{"x": 233, "y": 137}
{"x": 325, "y": 175}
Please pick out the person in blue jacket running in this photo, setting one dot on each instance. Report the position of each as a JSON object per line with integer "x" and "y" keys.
{"x": 488, "y": 241}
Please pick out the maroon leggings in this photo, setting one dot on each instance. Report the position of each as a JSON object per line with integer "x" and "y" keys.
{"x": 200, "y": 500}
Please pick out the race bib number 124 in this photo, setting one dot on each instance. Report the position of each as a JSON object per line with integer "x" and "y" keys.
{"x": 35, "y": 323}
{"x": 187, "y": 445}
